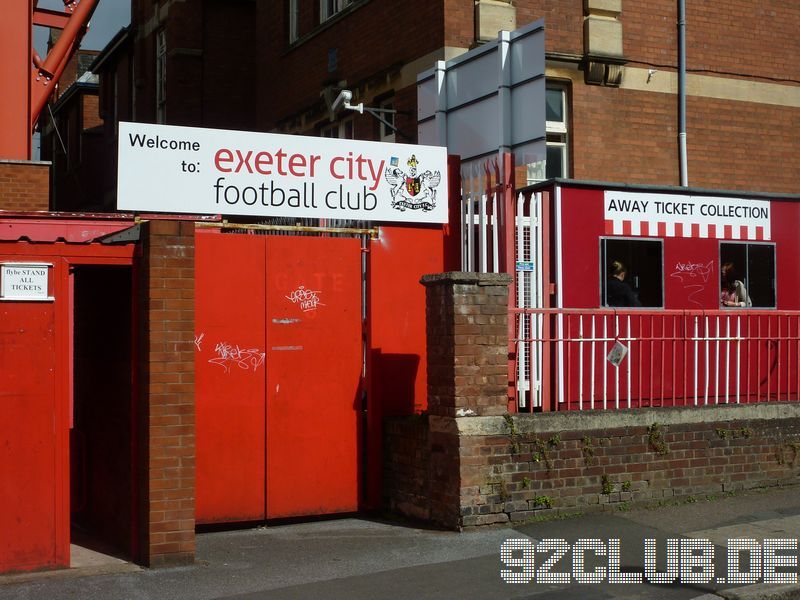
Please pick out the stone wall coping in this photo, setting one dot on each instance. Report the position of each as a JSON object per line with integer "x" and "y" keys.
{"x": 612, "y": 419}
{"x": 466, "y": 278}
{"x": 36, "y": 163}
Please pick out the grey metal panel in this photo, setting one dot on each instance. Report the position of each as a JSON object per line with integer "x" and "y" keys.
{"x": 527, "y": 57}
{"x": 474, "y": 129}
{"x": 472, "y": 79}
{"x": 426, "y": 133}
{"x": 528, "y": 112}
{"x": 485, "y": 104}
{"x": 426, "y": 98}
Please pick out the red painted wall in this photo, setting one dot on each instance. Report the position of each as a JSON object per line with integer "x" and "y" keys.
{"x": 582, "y": 226}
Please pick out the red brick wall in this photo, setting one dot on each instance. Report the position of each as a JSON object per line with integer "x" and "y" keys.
{"x": 630, "y": 136}
{"x": 533, "y": 465}
{"x": 563, "y": 22}
{"x": 166, "y": 394}
{"x": 516, "y": 476}
{"x": 739, "y": 36}
{"x": 91, "y": 111}
{"x": 374, "y": 37}
{"x": 24, "y": 186}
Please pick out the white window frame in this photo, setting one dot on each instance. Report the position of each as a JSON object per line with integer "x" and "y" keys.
{"x": 161, "y": 76}
{"x": 294, "y": 20}
{"x": 557, "y": 136}
{"x": 329, "y": 8}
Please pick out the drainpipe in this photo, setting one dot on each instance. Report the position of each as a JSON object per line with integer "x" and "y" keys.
{"x": 682, "y": 92}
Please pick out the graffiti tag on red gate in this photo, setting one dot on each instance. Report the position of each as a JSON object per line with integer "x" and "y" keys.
{"x": 229, "y": 355}
{"x": 307, "y": 299}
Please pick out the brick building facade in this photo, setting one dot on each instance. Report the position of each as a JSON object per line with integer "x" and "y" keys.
{"x": 612, "y": 64}
{"x": 611, "y": 74}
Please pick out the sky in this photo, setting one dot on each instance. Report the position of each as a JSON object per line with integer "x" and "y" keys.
{"x": 109, "y": 17}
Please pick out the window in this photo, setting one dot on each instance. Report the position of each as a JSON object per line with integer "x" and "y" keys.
{"x": 328, "y": 8}
{"x": 161, "y": 76}
{"x": 294, "y": 20}
{"x": 556, "y": 163}
{"x": 386, "y": 132}
{"x": 344, "y": 129}
{"x": 642, "y": 261}
{"x": 754, "y": 266}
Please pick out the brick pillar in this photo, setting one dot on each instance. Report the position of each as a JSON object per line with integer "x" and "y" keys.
{"x": 166, "y": 395}
{"x": 467, "y": 336}
{"x": 24, "y": 185}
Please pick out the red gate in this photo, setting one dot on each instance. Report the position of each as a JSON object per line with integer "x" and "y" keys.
{"x": 37, "y": 393}
{"x": 279, "y": 373}
{"x": 31, "y": 476}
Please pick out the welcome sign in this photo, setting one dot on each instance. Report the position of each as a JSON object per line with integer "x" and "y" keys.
{"x": 678, "y": 215}
{"x": 165, "y": 168}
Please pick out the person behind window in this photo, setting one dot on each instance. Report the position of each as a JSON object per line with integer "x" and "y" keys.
{"x": 619, "y": 293}
{"x": 733, "y": 291}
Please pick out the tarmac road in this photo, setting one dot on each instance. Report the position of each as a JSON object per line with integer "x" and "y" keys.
{"x": 367, "y": 559}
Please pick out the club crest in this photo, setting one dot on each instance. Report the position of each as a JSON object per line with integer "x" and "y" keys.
{"x": 411, "y": 190}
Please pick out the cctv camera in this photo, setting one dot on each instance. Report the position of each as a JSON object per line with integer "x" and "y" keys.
{"x": 342, "y": 100}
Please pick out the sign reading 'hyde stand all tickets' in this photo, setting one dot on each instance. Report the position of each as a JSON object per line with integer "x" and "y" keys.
{"x": 164, "y": 168}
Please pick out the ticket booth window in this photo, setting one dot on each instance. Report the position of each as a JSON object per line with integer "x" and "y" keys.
{"x": 754, "y": 266}
{"x": 643, "y": 261}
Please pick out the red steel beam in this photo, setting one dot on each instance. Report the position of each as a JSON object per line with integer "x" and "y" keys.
{"x": 50, "y": 18}
{"x": 43, "y": 78}
{"x": 27, "y": 86}
{"x": 15, "y": 50}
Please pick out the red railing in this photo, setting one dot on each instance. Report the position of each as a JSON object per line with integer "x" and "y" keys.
{"x": 674, "y": 358}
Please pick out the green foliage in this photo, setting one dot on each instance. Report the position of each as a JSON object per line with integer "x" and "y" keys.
{"x": 741, "y": 433}
{"x": 655, "y": 439}
{"x": 587, "y": 449}
{"x": 512, "y": 433}
{"x": 543, "y": 502}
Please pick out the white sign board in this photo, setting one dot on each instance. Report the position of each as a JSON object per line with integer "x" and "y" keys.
{"x": 164, "y": 168}
{"x": 678, "y": 215}
{"x": 24, "y": 281}
{"x": 489, "y": 99}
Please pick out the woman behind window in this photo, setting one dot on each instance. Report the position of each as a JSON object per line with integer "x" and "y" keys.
{"x": 733, "y": 292}
{"x": 619, "y": 293}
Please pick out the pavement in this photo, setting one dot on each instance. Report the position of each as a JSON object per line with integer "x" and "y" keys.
{"x": 363, "y": 558}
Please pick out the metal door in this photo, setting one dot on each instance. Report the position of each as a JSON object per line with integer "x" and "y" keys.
{"x": 278, "y": 376}
{"x": 229, "y": 377}
{"x": 314, "y": 368}
{"x": 31, "y": 474}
